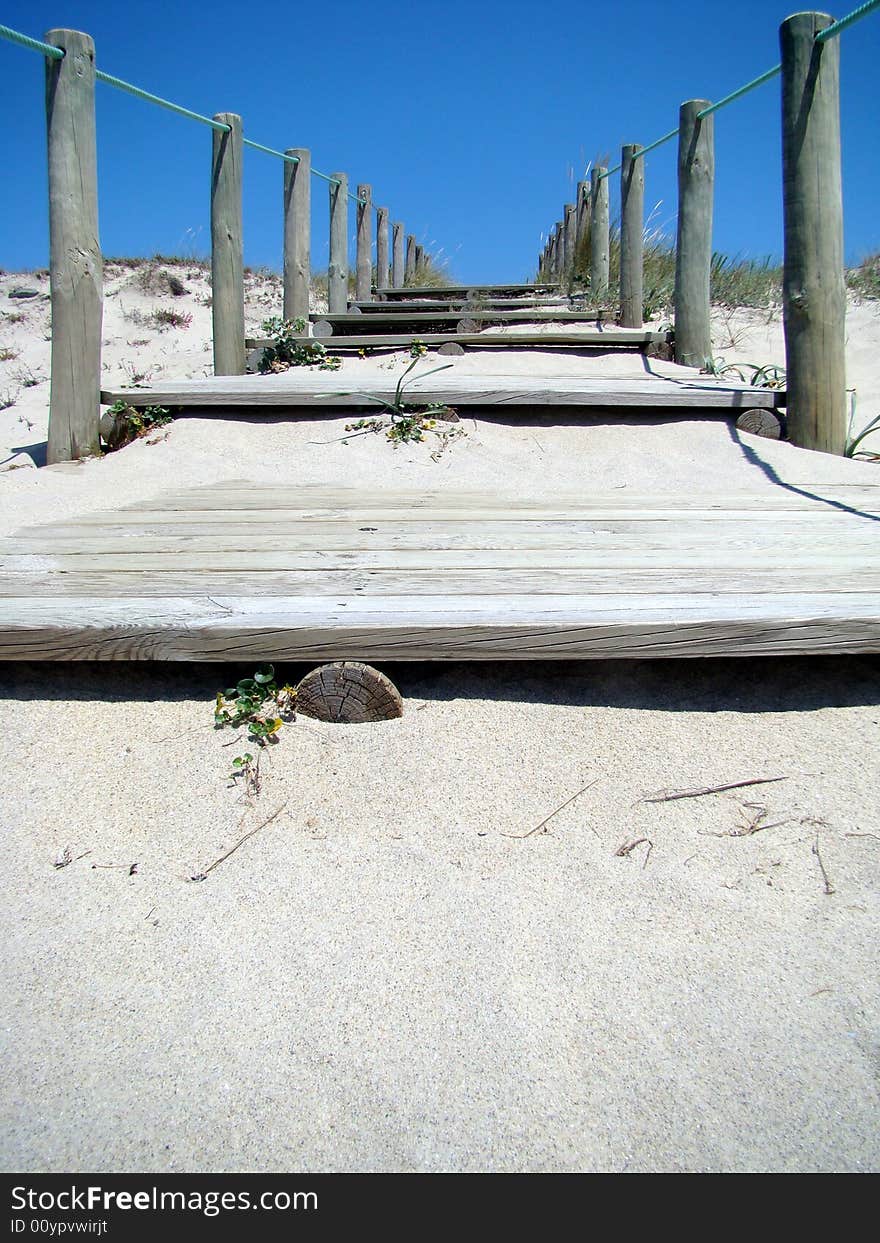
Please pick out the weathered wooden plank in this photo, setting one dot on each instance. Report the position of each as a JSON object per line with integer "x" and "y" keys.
{"x": 297, "y": 233}
{"x": 321, "y": 390}
{"x": 431, "y": 291}
{"x": 632, "y": 227}
{"x": 231, "y": 628}
{"x": 813, "y": 289}
{"x": 363, "y": 254}
{"x": 693, "y": 249}
{"x": 227, "y": 248}
{"x": 513, "y": 338}
{"x": 337, "y": 270}
{"x": 389, "y": 317}
{"x": 464, "y": 303}
{"x": 344, "y": 581}
{"x": 75, "y": 264}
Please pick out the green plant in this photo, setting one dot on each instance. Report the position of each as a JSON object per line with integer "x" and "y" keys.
{"x": 130, "y": 424}
{"x": 407, "y": 423}
{"x": 768, "y": 375}
{"x": 163, "y": 317}
{"x": 288, "y": 349}
{"x": 8, "y": 398}
{"x": 418, "y": 349}
{"x": 852, "y": 442}
{"x": 261, "y": 706}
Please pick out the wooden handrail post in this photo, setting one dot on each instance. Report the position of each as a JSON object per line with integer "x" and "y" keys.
{"x": 554, "y": 253}
{"x": 570, "y": 237}
{"x": 813, "y": 285}
{"x": 364, "y": 263}
{"x": 297, "y": 233}
{"x": 337, "y": 270}
{"x": 397, "y": 260}
{"x": 75, "y": 266}
{"x": 562, "y": 256}
{"x": 582, "y": 202}
{"x": 410, "y": 269}
{"x": 632, "y": 225}
{"x": 693, "y": 250}
{"x": 227, "y": 250}
{"x": 381, "y": 247}
{"x": 600, "y": 240}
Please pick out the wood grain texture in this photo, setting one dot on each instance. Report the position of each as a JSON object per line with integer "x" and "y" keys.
{"x": 693, "y": 249}
{"x": 382, "y": 269}
{"x": 813, "y": 288}
{"x": 244, "y": 570}
{"x": 363, "y": 254}
{"x": 398, "y": 263}
{"x": 515, "y": 338}
{"x": 297, "y": 233}
{"x": 600, "y": 236}
{"x": 75, "y": 265}
{"x": 632, "y": 230}
{"x": 337, "y": 271}
{"x": 326, "y": 391}
{"x": 227, "y": 247}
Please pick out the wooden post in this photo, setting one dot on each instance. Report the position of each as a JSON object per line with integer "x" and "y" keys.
{"x": 337, "y": 270}
{"x": 297, "y": 235}
{"x": 381, "y": 247}
{"x": 397, "y": 260}
{"x": 364, "y": 276}
{"x": 410, "y": 258}
{"x": 554, "y": 254}
{"x": 813, "y": 288}
{"x": 420, "y": 256}
{"x": 562, "y": 256}
{"x": 227, "y": 251}
{"x": 600, "y": 253}
{"x": 632, "y": 224}
{"x": 76, "y": 270}
{"x": 693, "y": 251}
{"x": 582, "y": 227}
{"x": 570, "y": 237}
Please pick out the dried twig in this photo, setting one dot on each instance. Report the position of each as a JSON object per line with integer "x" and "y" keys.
{"x": 666, "y": 796}
{"x": 754, "y": 825}
{"x": 874, "y": 835}
{"x": 829, "y": 888}
{"x": 240, "y": 842}
{"x": 547, "y": 819}
{"x": 626, "y": 849}
{"x": 65, "y": 859}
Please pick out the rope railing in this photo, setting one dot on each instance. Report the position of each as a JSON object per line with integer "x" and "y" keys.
{"x": 823, "y": 36}
{"x": 56, "y": 53}
{"x": 580, "y": 243}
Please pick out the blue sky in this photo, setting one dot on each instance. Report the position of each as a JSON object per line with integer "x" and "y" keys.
{"x": 470, "y": 119}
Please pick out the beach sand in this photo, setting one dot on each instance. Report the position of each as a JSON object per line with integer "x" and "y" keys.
{"x": 395, "y": 973}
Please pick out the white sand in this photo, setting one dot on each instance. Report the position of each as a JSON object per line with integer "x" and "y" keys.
{"x": 381, "y": 978}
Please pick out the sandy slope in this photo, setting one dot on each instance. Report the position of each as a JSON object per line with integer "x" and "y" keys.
{"x": 385, "y": 977}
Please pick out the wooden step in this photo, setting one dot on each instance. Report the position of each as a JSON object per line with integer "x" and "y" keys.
{"x": 245, "y": 570}
{"x": 329, "y": 391}
{"x": 463, "y": 303}
{"x": 353, "y": 321}
{"x": 468, "y": 291}
{"x": 601, "y": 340}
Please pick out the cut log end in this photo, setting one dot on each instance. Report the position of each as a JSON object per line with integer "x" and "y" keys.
{"x": 450, "y": 348}
{"x": 349, "y": 693}
{"x": 764, "y": 423}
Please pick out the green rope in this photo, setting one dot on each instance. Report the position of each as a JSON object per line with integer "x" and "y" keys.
{"x": 608, "y": 171}
{"x": 291, "y": 159}
{"x": 637, "y": 155}
{"x": 835, "y": 28}
{"x": 55, "y": 53}
{"x": 749, "y": 86}
{"x": 157, "y": 99}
